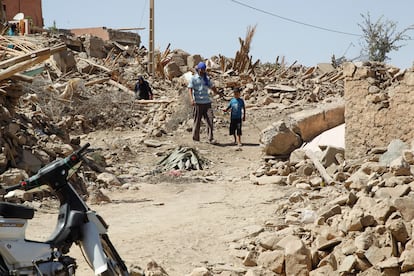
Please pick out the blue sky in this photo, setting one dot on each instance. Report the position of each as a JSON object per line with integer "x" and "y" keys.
{"x": 306, "y": 31}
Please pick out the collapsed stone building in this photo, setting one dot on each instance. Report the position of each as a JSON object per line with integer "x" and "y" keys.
{"x": 364, "y": 225}
{"x": 376, "y": 97}
{"x": 351, "y": 213}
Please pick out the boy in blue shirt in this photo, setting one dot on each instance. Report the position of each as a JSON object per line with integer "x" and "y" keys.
{"x": 238, "y": 114}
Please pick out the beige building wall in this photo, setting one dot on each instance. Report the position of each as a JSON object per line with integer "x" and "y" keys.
{"x": 109, "y": 34}
{"x": 100, "y": 32}
{"x": 379, "y": 107}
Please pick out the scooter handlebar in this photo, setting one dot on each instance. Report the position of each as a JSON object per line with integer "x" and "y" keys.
{"x": 12, "y": 188}
{"x": 53, "y": 173}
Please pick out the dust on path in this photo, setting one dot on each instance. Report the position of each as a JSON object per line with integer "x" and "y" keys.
{"x": 181, "y": 225}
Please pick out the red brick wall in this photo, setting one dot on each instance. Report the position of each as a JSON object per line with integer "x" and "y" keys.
{"x": 31, "y": 8}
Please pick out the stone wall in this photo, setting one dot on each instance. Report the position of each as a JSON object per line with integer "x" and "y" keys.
{"x": 378, "y": 107}
{"x": 124, "y": 37}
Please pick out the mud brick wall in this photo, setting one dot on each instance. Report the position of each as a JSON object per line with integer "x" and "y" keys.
{"x": 379, "y": 107}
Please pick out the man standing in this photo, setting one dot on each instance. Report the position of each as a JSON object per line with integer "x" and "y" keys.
{"x": 198, "y": 88}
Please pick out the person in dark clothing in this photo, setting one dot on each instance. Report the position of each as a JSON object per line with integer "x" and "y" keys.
{"x": 142, "y": 89}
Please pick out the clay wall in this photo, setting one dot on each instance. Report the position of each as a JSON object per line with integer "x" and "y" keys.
{"x": 109, "y": 34}
{"x": 100, "y": 32}
{"x": 379, "y": 104}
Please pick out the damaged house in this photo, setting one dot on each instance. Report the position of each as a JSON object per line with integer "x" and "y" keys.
{"x": 13, "y": 11}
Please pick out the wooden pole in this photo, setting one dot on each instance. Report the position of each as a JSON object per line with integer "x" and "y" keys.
{"x": 324, "y": 174}
{"x": 3, "y": 19}
{"x": 151, "y": 66}
{"x": 2, "y": 13}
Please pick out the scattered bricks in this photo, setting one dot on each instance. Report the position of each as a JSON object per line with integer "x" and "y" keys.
{"x": 251, "y": 258}
{"x": 330, "y": 211}
{"x": 364, "y": 241}
{"x": 405, "y": 205}
{"x": 347, "y": 265}
{"x": 398, "y": 230}
{"x": 382, "y": 211}
{"x": 389, "y": 266}
{"x": 298, "y": 259}
{"x": 376, "y": 254}
{"x": 272, "y": 260}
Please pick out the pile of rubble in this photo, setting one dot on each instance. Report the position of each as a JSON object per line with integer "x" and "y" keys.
{"x": 51, "y": 92}
{"x": 347, "y": 217}
{"x": 359, "y": 224}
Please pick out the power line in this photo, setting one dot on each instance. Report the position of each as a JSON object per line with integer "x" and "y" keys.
{"x": 349, "y": 46}
{"x": 292, "y": 20}
{"x": 143, "y": 12}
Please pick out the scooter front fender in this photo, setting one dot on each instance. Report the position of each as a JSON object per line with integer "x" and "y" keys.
{"x": 92, "y": 247}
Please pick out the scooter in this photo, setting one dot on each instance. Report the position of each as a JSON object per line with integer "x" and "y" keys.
{"x": 76, "y": 223}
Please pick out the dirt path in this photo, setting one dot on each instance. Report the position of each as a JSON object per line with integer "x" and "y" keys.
{"x": 183, "y": 225}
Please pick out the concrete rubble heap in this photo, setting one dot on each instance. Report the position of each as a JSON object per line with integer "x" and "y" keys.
{"x": 69, "y": 95}
{"x": 346, "y": 217}
{"x": 358, "y": 224}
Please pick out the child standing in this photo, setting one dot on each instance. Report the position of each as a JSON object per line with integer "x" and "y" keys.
{"x": 238, "y": 114}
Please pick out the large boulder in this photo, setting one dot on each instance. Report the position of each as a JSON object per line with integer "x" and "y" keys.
{"x": 278, "y": 139}
{"x": 283, "y": 137}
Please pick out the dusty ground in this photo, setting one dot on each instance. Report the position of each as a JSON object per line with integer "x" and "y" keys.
{"x": 182, "y": 224}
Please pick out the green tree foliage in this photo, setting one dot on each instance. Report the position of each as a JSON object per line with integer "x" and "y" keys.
{"x": 53, "y": 29}
{"x": 381, "y": 37}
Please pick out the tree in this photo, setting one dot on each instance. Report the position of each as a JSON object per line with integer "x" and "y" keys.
{"x": 381, "y": 37}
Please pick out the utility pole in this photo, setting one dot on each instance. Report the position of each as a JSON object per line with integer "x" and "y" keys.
{"x": 3, "y": 19}
{"x": 2, "y": 13}
{"x": 151, "y": 65}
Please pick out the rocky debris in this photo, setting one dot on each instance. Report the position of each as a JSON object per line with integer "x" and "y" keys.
{"x": 284, "y": 136}
{"x": 361, "y": 224}
{"x": 154, "y": 269}
{"x": 346, "y": 217}
{"x": 69, "y": 96}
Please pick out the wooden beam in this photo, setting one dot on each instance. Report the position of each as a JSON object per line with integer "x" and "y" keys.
{"x": 97, "y": 81}
{"x": 58, "y": 48}
{"x": 153, "y": 101}
{"x": 12, "y": 61}
{"x": 120, "y": 86}
{"x": 22, "y": 77}
{"x": 129, "y": 29}
{"x": 97, "y": 65}
{"x": 38, "y": 53}
{"x": 7, "y": 73}
{"x": 318, "y": 165}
